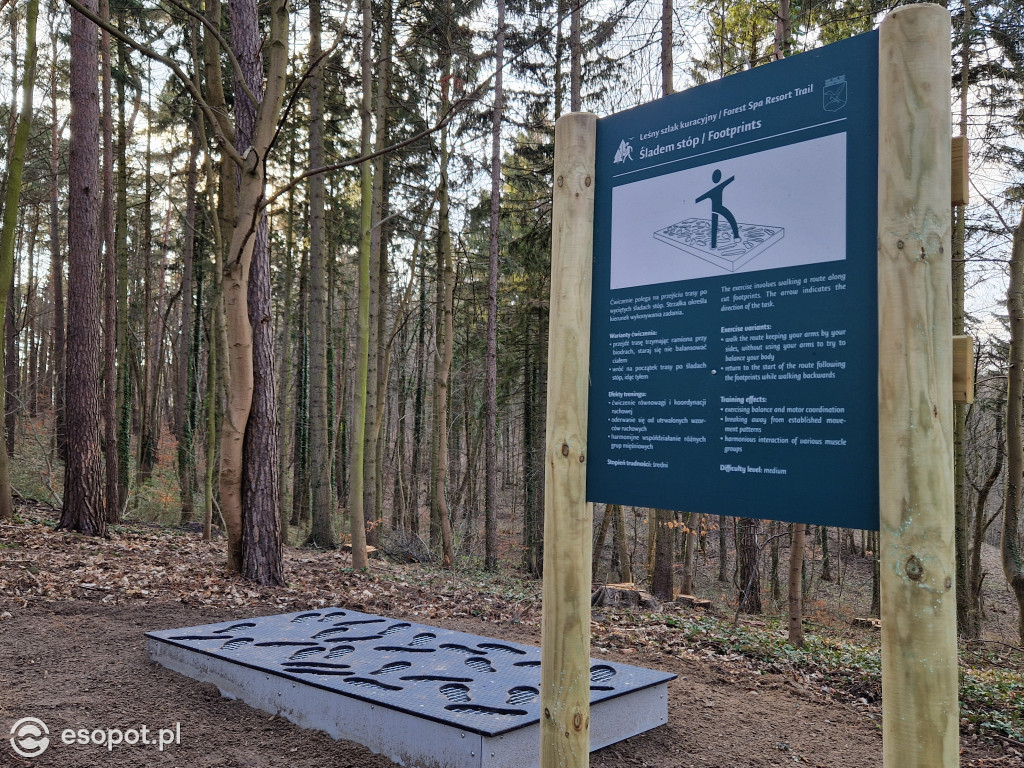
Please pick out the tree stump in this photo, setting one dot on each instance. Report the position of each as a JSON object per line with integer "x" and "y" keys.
{"x": 693, "y": 601}
{"x": 623, "y": 596}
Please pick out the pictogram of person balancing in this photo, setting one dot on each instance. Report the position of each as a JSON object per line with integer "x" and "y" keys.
{"x": 715, "y": 196}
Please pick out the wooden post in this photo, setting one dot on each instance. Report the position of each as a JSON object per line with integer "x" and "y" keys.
{"x": 963, "y": 370}
{"x": 960, "y": 183}
{"x": 920, "y": 719}
{"x": 568, "y": 518}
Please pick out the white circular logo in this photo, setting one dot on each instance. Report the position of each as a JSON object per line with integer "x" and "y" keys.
{"x": 29, "y": 737}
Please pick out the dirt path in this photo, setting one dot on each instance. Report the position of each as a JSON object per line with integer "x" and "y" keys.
{"x": 82, "y": 664}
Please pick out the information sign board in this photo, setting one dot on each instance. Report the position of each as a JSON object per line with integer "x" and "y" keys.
{"x": 733, "y": 360}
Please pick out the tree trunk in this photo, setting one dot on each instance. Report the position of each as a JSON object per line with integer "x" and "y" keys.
{"x": 57, "y": 265}
{"x": 377, "y": 369}
{"x": 357, "y": 458}
{"x": 418, "y": 402}
{"x": 287, "y": 415}
{"x": 259, "y": 123}
{"x": 122, "y": 395}
{"x": 83, "y": 509}
{"x": 301, "y": 508}
{"x": 12, "y": 394}
{"x": 622, "y": 545}
{"x": 322, "y": 494}
{"x": 184, "y": 381}
{"x": 602, "y": 535}
{"x": 723, "y": 549}
{"x": 796, "y": 569}
{"x": 16, "y": 165}
{"x": 976, "y": 573}
{"x": 444, "y": 350}
{"x": 826, "y": 557}
{"x": 576, "y": 58}
{"x": 491, "y": 363}
{"x": 667, "y": 63}
{"x": 261, "y": 556}
{"x": 750, "y": 580}
{"x": 693, "y": 529}
{"x": 110, "y": 423}
{"x": 145, "y": 449}
{"x": 957, "y": 276}
{"x": 661, "y": 579}
{"x": 1013, "y": 561}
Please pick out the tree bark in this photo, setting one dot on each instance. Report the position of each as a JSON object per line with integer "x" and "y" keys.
{"x": 56, "y": 264}
{"x": 661, "y": 579}
{"x": 184, "y": 380}
{"x": 261, "y": 556}
{"x": 122, "y": 395}
{"x": 796, "y": 570}
{"x": 322, "y": 494}
{"x": 83, "y": 509}
{"x": 16, "y": 166}
{"x": 964, "y": 607}
{"x": 110, "y": 421}
{"x": 667, "y": 63}
{"x": 750, "y": 580}
{"x": 356, "y": 510}
{"x": 576, "y": 58}
{"x": 491, "y": 364}
{"x": 443, "y": 356}
{"x": 976, "y": 573}
{"x": 377, "y": 370}
{"x": 1012, "y": 560}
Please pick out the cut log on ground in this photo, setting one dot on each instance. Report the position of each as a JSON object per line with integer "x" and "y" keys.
{"x": 867, "y": 622}
{"x": 693, "y": 602}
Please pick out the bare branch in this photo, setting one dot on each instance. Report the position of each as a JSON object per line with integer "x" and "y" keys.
{"x": 212, "y": 28}
{"x": 171, "y": 64}
{"x": 991, "y": 205}
{"x": 444, "y": 120}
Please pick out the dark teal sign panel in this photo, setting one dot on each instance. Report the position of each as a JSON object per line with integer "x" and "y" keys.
{"x": 734, "y": 349}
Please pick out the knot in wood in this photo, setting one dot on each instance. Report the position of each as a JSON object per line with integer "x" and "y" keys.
{"x": 577, "y": 721}
{"x": 915, "y": 568}
{"x": 565, "y": 449}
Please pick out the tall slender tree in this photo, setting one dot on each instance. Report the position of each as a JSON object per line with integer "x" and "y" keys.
{"x": 110, "y": 415}
{"x": 83, "y": 508}
{"x": 262, "y": 559}
{"x": 322, "y": 494}
{"x": 491, "y": 385}
{"x": 15, "y": 170}
{"x": 356, "y": 510}
{"x": 1010, "y": 547}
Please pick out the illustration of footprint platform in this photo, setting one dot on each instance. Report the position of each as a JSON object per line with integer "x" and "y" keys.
{"x": 693, "y": 236}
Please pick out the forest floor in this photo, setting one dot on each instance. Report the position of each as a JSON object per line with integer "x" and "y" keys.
{"x": 74, "y": 610}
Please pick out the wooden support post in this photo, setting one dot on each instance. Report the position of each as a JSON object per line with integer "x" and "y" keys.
{"x": 960, "y": 181}
{"x": 963, "y": 370}
{"x": 568, "y": 518}
{"x": 920, "y": 718}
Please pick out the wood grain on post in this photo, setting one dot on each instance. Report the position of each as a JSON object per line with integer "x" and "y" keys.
{"x": 568, "y": 518}
{"x": 920, "y": 719}
{"x": 963, "y": 370}
{"x": 960, "y": 183}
